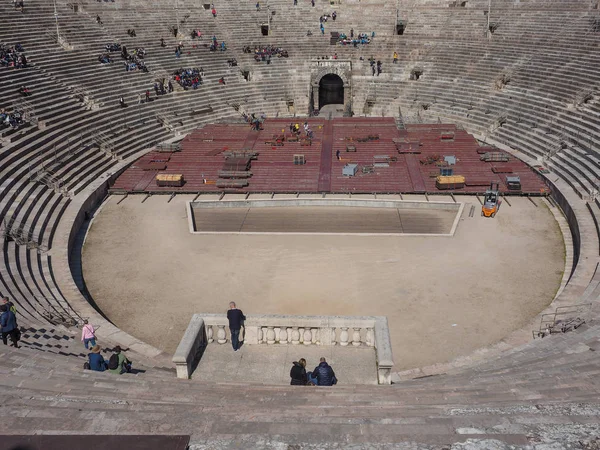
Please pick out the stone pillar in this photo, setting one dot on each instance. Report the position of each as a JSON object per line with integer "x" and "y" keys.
{"x": 327, "y": 336}
{"x": 209, "y": 334}
{"x": 356, "y": 337}
{"x": 370, "y": 338}
{"x": 270, "y": 335}
{"x": 344, "y": 336}
{"x": 283, "y": 336}
{"x": 295, "y": 336}
{"x": 251, "y": 335}
{"x": 221, "y": 334}
{"x": 307, "y": 336}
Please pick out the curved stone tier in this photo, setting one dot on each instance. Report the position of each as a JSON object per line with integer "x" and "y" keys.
{"x": 530, "y": 87}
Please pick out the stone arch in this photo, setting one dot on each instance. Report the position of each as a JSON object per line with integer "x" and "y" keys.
{"x": 331, "y": 90}
{"x": 344, "y": 74}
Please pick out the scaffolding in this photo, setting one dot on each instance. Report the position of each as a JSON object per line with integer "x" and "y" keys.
{"x": 45, "y": 176}
{"x": 26, "y": 110}
{"x": 104, "y": 144}
{"x": 23, "y": 238}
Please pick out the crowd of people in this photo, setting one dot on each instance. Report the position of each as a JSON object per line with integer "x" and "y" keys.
{"x": 163, "y": 86}
{"x": 254, "y": 121}
{"x": 355, "y": 41}
{"x": 118, "y": 363}
{"x": 265, "y": 53}
{"x": 13, "y": 56}
{"x": 13, "y": 119}
{"x": 135, "y": 59}
{"x": 189, "y": 78}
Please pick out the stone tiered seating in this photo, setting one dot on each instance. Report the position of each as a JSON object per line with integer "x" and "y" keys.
{"x": 520, "y": 88}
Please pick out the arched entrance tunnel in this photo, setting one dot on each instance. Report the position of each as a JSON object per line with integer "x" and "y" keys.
{"x": 331, "y": 90}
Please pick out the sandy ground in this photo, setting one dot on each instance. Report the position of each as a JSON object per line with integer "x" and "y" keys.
{"x": 443, "y": 296}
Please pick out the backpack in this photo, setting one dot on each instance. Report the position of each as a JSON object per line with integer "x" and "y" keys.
{"x": 113, "y": 362}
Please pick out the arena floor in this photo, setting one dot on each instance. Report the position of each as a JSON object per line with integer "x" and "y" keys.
{"x": 444, "y": 296}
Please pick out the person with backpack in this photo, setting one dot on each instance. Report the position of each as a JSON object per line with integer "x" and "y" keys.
{"x": 88, "y": 334}
{"x": 8, "y": 322}
{"x": 9, "y": 304}
{"x": 96, "y": 360}
{"x": 118, "y": 362}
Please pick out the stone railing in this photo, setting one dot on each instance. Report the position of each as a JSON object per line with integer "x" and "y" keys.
{"x": 371, "y": 331}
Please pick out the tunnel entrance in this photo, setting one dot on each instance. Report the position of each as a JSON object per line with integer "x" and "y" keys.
{"x": 331, "y": 90}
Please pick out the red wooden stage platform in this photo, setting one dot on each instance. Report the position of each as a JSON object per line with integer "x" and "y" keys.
{"x": 389, "y": 160}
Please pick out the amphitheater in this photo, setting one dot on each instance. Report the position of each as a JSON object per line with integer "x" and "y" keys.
{"x": 521, "y": 76}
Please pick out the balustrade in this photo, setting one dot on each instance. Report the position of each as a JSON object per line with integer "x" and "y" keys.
{"x": 295, "y": 330}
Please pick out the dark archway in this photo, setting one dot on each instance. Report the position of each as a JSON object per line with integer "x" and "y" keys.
{"x": 331, "y": 90}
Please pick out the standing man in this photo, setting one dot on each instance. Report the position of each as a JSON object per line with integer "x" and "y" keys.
{"x": 395, "y": 58}
{"x": 236, "y": 318}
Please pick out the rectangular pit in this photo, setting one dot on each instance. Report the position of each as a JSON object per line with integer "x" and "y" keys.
{"x": 315, "y": 216}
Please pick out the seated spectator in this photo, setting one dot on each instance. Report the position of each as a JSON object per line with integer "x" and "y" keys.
{"x": 298, "y": 373}
{"x": 118, "y": 362}
{"x": 96, "y": 360}
{"x": 104, "y": 58}
{"x": 189, "y": 77}
{"x": 13, "y": 57}
{"x": 98, "y": 20}
{"x": 232, "y": 62}
{"x": 162, "y": 42}
{"x": 222, "y": 81}
{"x": 324, "y": 374}
{"x": 24, "y": 91}
{"x": 113, "y": 47}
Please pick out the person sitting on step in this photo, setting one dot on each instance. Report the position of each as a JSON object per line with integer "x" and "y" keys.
{"x": 96, "y": 360}
{"x": 324, "y": 374}
{"x": 298, "y": 373}
{"x": 118, "y": 362}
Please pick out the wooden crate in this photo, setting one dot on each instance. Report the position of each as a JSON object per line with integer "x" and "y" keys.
{"x": 171, "y": 180}
{"x": 450, "y": 182}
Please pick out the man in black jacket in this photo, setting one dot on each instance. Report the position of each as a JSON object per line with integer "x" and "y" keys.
{"x": 236, "y": 318}
{"x": 324, "y": 374}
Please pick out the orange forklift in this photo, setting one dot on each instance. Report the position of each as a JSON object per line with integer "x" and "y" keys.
{"x": 491, "y": 203}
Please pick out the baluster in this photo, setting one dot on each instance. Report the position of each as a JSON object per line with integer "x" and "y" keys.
{"x": 307, "y": 336}
{"x": 344, "y": 336}
{"x": 277, "y": 334}
{"x": 209, "y": 334}
{"x": 295, "y": 336}
{"x": 221, "y": 334}
{"x": 370, "y": 337}
{"x": 315, "y": 335}
{"x": 270, "y": 335}
{"x": 356, "y": 337}
{"x": 283, "y": 335}
{"x": 259, "y": 335}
